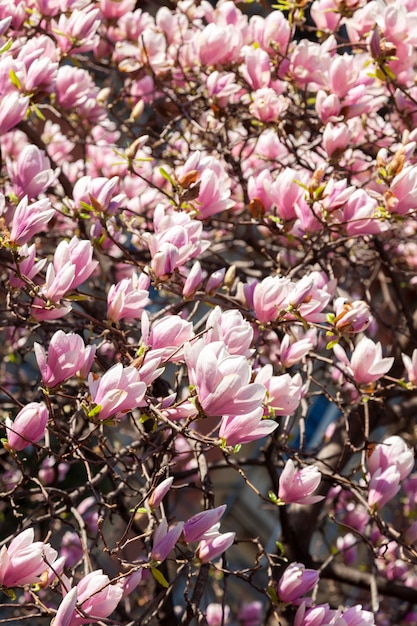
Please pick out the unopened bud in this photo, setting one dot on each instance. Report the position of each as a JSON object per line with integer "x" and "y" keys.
{"x": 230, "y": 276}
{"x": 397, "y": 163}
{"x": 103, "y": 95}
{"x": 133, "y": 148}
{"x": 137, "y": 111}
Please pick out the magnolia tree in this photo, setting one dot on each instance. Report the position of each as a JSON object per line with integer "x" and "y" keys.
{"x": 208, "y": 259}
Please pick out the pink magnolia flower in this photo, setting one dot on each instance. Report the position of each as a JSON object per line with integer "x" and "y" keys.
{"x": 297, "y": 486}
{"x": 383, "y": 486}
{"x": 256, "y": 68}
{"x": 164, "y": 540}
{"x": 269, "y": 297}
{"x": 240, "y": 429}
{"x": 251, "y": 614}
{"x": 28, "y": 266}
{"x": 78, "y": 31}
{"x": 231, "y": 328}
{"x": 210, "y": 549}
{"x": 366, "y": 364}
{"x": 267, "y": 105}
{"x": 13, "y": 107}
{"x": 392, "y": 452}
{"x": 222, "y": 380}
{"x": 25, "y": 561}
{"x": 30, "y": 219}
{"x": 218, "y": 44}
{"x": 193, "y": 281}
{"x": 76, "y": 254}
{"x": 28, "y": 427}
{"x": 214, "y": 184}
{"x": 167, "y": 336}
{"x": 119, "y": 390}
{"x": 128, "y": 298}
{"x": 31, "y": 174}
{"x": 295, "y": 582}
{"x": 292, "y": 353}
{"x": 283, "y": 392}
{"x": 351, "y": 317}
{"x": 410, "y": 365}
{"x": 94, "y": 595}
{"x": 201, "y": 524}
{"x": 160, "y": 492}
{"x": 217, "y": 614}
{"x": 100, "y": 191}
{"x": 67, "y": 355}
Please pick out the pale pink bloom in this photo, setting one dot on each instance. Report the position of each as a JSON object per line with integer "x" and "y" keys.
{"x": 383, "y": 486}
{"x": 210, "y": 549}
{"x": 356, "y": 616}
{"x": 222, "y": 380}
{"x": 29, "y": 425}
{"x": 214, "y": 281}
{"x": 128, "y": 298}
{"x": 306, "y": 65}
{"x": 76, "y": 258}
{"x": 13, "y": 107}
{"x": 326, "y": 15}
{"x": 119, "y": 390}
{"x": 320, "y": 615}
{"x": 403, "y": 191}
{"x": 78, "y": 31}
{"x": 217, "y": 614}
{"x": 392, "y": 452}
{"x": 269, "y": 297}
{"x": 29, "y": 267}
{"x": 67, "y": 355}
{"x": 410, "y": 365}
{"x": 360, "y": 214}
{"x": 347, "y": 545}
{"x": 292, "y": 353}
{"x": 351, "y": 317}
{"x": 160, "y": 492}
{"x": 295, "y": 582}
{"x": 342, "y": 74}
{"x": 42, "y": 311}
{"x": 167, "y": 336}
{"x": 273, "y": 32}
{"x": 267, "y": 105}
{"x": 251, "y": 614}
{"x": 214, "y": 184}
{"x": 176, "y": 240}
{"x": 100, "y": 191}
{"x": 336, "y": 138}
{"x": 31, "y": 174}
{"x": 193, "y": 281}
{"x": 231, "y": 328}
{"x": 286, "y": 193}
{"x": 297, "y": 486}
{"x": 30, "y": 219}
{"x": 283, "y": 392}
{"x": 200, "y": 526}
{"x": 164, "y": 540}
{"x": 366, "y": 364}
{"x": 130, "y": 582}
{"x": 328, "y": 107}
{"x": 57, "y": 284}
{"x": 111, "y": 9}
{"x": 240, "y": 429}
{"x": 218, "y": 44}
{"x": 256, "y": 68}
{"x": 221, "y": 87}
{"x": 94, "y": 595}
{"x": 25, "y": 561}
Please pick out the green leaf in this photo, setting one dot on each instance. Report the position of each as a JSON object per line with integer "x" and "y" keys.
{"x": 332, "y": 344}
{"x": 167, "y": 177}
{"x": 38, "y": 113}
{"x": 94, "y": 411}
{"x": 6, "y": 46}
{"x": 14, "y": 79}
{"x": 159, "y": 577}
